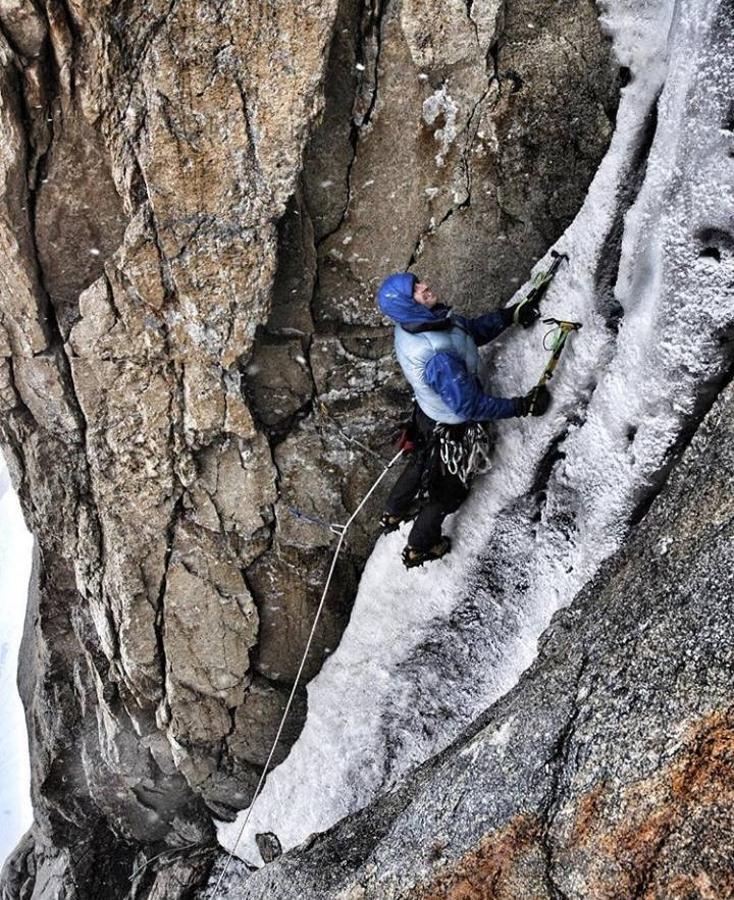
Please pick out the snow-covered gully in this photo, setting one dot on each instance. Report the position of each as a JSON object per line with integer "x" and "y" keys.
{"x": 427, "y": 650}
{"x": 16, "y": 547}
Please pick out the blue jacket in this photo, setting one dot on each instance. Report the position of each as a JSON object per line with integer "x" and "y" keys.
{"x": 437, "y": 351}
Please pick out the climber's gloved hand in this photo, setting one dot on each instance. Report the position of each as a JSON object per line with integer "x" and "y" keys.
{"x": 534, "y": 403}
{"x": 526, "y": 312}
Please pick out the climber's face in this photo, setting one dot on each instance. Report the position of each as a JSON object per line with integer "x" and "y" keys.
{"x": 424, "y": 295}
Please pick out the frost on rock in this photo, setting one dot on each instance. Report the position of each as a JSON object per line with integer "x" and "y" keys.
{"x": 440, "y": 107}
{"x": 427, "y": 650}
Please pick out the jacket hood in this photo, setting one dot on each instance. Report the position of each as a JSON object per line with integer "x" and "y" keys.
{"x": 395, "y": 299}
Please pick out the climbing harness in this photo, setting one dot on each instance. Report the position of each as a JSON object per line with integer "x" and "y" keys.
{"x": 407, "y": 437}
{"x": 465, "y": 454}
{"x": 540, "y": 284}
{"x": 299, "y": 673}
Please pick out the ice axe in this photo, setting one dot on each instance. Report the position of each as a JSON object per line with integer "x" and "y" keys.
{"x": 540, "y": 285}
{"x": 559, "y": 335}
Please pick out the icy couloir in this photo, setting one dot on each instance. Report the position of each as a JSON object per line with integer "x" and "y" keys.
{"x": 427, "y": 651}
{"x": 606, "y": 772}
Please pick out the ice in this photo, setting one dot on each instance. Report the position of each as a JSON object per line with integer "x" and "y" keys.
{"x": 427, "y": 650}
{"x": 15, "y": 559}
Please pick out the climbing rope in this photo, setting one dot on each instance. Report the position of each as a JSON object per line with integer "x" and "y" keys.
{"x": 329, "y": 419}
{"x": 292, "y": 695}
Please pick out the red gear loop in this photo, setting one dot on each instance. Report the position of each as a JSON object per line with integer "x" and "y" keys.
{"x": 404, "y": 440}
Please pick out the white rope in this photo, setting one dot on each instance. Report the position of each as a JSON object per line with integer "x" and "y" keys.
{"x": 301, "y": 667}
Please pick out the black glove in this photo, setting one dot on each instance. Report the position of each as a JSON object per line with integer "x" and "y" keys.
{"x": 534, "y": 403}
{"x": 526, "y": 312}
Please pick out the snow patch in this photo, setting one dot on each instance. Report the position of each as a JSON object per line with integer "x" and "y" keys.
{"x": 440, "y": 104}
{"x": 501, "y": 737}
{"x": 15, "y": 566}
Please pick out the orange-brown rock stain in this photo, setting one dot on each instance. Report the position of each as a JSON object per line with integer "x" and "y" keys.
{"x": 588, "y": 813}
{"x": 506, "y": 865}
{"x": 667, "y": 837}
{"x": 672, "y": 836}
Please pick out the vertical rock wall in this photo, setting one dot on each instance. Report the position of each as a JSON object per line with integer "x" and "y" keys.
{"x": 198, "y": 203}
{"x": 457, "y": 141}
{"x": 148, "y": 152}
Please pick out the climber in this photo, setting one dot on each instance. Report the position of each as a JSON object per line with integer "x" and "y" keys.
{"x": 437, "y": 351}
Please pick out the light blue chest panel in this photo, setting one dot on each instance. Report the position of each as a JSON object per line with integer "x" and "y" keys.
{"x": 413, "y": 352}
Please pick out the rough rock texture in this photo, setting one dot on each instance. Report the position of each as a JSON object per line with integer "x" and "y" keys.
{"x": 607, "y": 771}
{"x": 197, "y": 203}
{"x": 423, "y": 158}
{"x": 147, "y": 156}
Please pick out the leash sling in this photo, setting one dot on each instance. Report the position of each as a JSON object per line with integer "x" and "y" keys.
{"x": 342, "y": 533}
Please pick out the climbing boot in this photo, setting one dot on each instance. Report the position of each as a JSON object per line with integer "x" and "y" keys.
{"x": 413, "y": 556}
{"x": 390, "y": 522}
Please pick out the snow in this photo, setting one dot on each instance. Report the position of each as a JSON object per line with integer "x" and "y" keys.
{"x": 441, "y": 103}
{"x": 427, "y": 650}
{"x": 15, "y": 564}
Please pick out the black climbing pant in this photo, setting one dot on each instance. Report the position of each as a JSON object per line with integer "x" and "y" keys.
{"x": 442, "y": 493}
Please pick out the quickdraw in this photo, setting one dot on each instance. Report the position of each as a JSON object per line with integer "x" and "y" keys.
{"x": 467, "y": 455}
{"x": 333, "y": 527}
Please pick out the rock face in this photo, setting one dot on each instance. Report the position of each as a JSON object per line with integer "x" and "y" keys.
{"x": 547, "y": 795}
{"x": 147, "y": 156}
{"x": 198, "y": 202}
